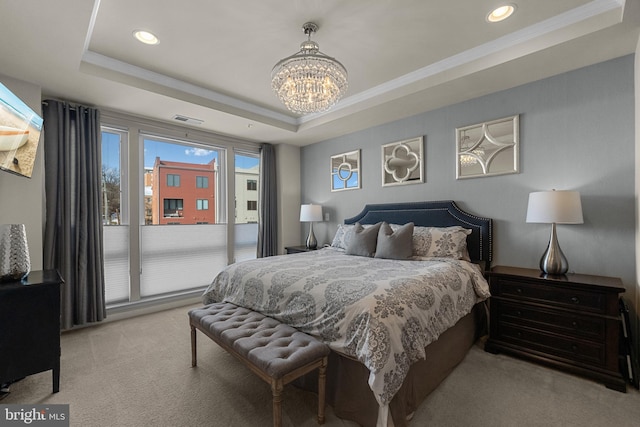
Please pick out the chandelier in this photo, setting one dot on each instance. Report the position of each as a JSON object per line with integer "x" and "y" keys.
{"x": 309, "y": 81}
{"x": 469, "y": 159}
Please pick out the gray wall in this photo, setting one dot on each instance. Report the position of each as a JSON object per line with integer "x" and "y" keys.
{"x": 576, "y": 133}
{"x": 288, "y": 172}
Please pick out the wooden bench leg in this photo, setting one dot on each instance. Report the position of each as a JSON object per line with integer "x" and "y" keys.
{"x": 276, "y": 390}
{"x": 322, "y": 380}
{"x": 194, "y": 357}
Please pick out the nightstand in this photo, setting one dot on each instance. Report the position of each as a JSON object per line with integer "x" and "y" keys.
{"x": 569, "y": 322}
{"x": 297, "y": 249}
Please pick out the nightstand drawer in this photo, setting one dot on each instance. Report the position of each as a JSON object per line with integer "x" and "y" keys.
{"x": 551, "y": 295}
{"x": 552, "y": 320}
{"x": 589, "y": 352}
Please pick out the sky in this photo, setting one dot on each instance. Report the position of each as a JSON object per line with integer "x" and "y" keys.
{"x": 175, "y": 153}
{"x": 18, "y": 107}
{"x": 166, "y": 151}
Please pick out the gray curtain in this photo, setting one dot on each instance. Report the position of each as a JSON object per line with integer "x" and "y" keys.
{"x": 268, "y": 218}
{"x": 73, "y": 222}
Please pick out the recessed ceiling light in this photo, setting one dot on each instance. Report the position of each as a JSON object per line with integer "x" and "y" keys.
{"x": 145, "y": 37}
{"x": 501, "y": 13}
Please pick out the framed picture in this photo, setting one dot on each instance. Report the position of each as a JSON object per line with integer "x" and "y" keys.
{"x": 403, "y": 162}
{"x": 345, "y": 171}
{"x": 20, "y": 129}
{"x": 487, "y": 149}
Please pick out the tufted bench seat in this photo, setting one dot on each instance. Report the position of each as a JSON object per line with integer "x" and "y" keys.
{"x": 276, "y": 352}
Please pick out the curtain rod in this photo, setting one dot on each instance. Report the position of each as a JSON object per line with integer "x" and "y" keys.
{"x": 71, "y": 106}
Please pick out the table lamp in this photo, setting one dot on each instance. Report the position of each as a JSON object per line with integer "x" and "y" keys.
{"x": 554, "y": 207}
{"x": 311, "y": 213}
{"x": 15, "y": 263}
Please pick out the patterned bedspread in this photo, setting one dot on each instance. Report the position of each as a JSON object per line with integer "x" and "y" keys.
{"x": 381, "y": 312}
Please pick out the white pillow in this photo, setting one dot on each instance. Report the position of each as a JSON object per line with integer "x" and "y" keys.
{"x": 449, "y": 242}
{"x": 342, "y": 236}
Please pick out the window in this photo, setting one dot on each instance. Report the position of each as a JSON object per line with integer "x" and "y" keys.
{"x": 202, "y": 182}
{"x": 115, "y": 213}
{"x": 111, "y": 153}
{"x": 173, "y": 180}
{"x": 252, "y": 205}
{"x": 184, "y": 181}
{"x": 199, "y": 244}
{"x": 202, "y": 204}
{"x": 173, "y": 208}
{"x": 247, "y": 170}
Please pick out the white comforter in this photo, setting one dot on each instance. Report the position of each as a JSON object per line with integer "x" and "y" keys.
{"x": 382, "y": 312}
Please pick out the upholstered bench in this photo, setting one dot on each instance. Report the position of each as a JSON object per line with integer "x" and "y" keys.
{"x": 276, "y": 352}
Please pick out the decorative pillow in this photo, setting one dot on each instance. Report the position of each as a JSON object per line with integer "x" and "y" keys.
{"x": 363, "y": 241}
{"x": 342, "y": 236}
{"x": 449, "y": 242}
{"x": 395, "y": 244}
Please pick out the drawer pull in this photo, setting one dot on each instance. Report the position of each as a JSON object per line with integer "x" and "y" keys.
{"x": 574, "y": 324}
{"x": 519, "y": 290}
{"x": 575, "y": 300}
{"x": 519, "y": 313}
{"x": 574, "y": 347}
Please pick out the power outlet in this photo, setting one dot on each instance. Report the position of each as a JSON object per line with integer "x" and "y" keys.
{"x": 326, "y": 216}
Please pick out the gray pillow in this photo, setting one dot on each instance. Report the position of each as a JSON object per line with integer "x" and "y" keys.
{"x": 395, "y": 244}
{"x": 363, "y": 241}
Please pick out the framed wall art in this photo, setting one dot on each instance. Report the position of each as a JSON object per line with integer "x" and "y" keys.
{"x": 403, "y": 162}
{"x": 487, "y": 149}
{"x": 345, "y": 171}
{"x": 20, "y": 129}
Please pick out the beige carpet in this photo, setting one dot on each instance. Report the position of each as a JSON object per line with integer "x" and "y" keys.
{"x": 137, "y": 372}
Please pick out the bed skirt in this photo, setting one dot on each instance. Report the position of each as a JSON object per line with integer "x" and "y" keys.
{"x": 351, "y": 398}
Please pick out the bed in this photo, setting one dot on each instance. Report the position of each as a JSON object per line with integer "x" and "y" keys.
{"x": 393, "y": 339}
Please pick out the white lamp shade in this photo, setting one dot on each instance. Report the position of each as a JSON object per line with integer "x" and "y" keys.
{"x": 310, "y": 213}
{"x": 560, "y": 207}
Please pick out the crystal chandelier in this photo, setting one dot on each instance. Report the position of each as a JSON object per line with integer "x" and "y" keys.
{"x": 466, "y": 159}
{"x": 309, "y": 81}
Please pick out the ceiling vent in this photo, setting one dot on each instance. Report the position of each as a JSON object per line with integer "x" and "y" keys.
{"x": 188, "y": 120}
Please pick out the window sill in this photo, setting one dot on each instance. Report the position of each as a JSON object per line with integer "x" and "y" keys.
{"x": 125, "y": 310}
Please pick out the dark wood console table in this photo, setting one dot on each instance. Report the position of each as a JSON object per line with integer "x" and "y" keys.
{"x": 30, "y": 327}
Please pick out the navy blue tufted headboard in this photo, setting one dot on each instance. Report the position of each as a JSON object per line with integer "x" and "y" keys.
{"x": 443, "y": 213}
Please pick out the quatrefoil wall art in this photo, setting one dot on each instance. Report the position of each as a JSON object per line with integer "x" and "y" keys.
{"x": 403, "y": 162}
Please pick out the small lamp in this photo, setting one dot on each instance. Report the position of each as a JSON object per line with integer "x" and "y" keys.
{"x": 555, "y": 207}
{"x": 310, "y": 213}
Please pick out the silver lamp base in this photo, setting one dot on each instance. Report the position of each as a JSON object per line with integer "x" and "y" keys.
{"x": 311, "y": 243}
{"x": 553, "y": 260}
